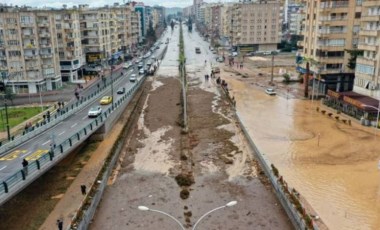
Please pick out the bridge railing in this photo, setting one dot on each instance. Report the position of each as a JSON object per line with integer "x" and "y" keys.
{"x": 35, "y": 168}
{"x": 55, "y": 118}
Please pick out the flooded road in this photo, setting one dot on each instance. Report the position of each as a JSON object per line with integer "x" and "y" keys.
{"x": 332, "y": 164}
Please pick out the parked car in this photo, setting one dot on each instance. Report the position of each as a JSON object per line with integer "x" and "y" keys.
{"x": 220, "y": 59}
{"x": 94, "y": 111}
{"x": 140, "y": 65}
{"x": 270, "y": 91}
{"x": 133, "y": 78}
{"x": 141, "y": 71}
{"x": 214, "y": 52}
{"x": 250, "y": 54}
{"x": 197, "y": 50}
{"x": 234, "y": 54}
{"x": 106, "y": 100}
{"x": 121, "y": 90}
{"x": 216, "y": 69}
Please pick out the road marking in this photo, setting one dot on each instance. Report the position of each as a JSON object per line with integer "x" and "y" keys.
{"x": 3, "y": 168}
{"x": 13, "y": 155}
{"x": 61, "y": 133}
{"x": 46, "y": 142}
{"x": 25, "y": 154}
{"x": 37, "y": 154}
{"x": 84, "y": 117}
{"x": 74, "y": 125}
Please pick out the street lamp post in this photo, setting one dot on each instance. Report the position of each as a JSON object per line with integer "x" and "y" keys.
{"x": 229, "y": 204}
{"x": 112, "y": 83}
{"x": 144, "y": 208}
{"x": 6, "y": 107}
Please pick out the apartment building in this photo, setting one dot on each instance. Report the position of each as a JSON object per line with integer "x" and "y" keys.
{"x": 188, "y": 11}
{"x": 136, "y": 28}
{"x": 29, "y": 60}
{"x": 255, "y": 26}
{"x": 70, "y": 51}
{"x": 330, "y": 28}
{"x": 196, "y": 6}
{"x": 296, "y": 15}
{"x": 367, "y": 72}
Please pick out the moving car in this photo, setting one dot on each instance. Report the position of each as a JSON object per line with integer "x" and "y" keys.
{"x": 270, "y": 91}
{"x": 121, "y": 90}
{"x": 106, "y": 100}
{"x": 133, "y": 78}
{"x": 127, "y": 65}
{"x": 142, "y": 71}
{"x": 214, "y": 52}
{"x": 94, "y": 111}
{"x": 140, "y": 65}
{"x": 197, "y": 50}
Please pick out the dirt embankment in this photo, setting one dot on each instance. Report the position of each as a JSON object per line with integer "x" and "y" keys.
{"x": 187, "y": 173}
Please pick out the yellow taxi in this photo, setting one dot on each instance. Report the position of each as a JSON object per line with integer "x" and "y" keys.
{"x": 106, "y": 100}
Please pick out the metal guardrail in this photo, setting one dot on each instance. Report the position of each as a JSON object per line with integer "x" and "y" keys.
{"x": 55, "y": 119}
{"x": 46, "y": 161}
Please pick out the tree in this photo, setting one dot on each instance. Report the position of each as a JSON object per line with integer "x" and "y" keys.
{"x": 352, "y": 60}
{"x": 151, "y": 34}
{"x": 9, "y": 95}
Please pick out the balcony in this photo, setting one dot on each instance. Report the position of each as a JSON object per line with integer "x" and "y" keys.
{"x": 43, "y": 24}
{"x": 28, "y": 35}
{"x": 3, "y": 68}
{"x": 29, "y": 46}
{"x": 366, "y": 61}
{"x": 31, "y": 67}
{"x": 329, "y": 60}
{"x": 44, "y": 35}
{"x": 30, "y": 57}
{"x": 369, "y": 32}
{"x": 26, "y": 25}
{"x": 368, "y": 46}
{"x": 371, "y": 3}
{"x": 370, "y": 18}
{"x": 46, "y": 55}
{"x": 67, "y": 18}
{"x": 45, "y": 45}
{"x": 70, "y": 48}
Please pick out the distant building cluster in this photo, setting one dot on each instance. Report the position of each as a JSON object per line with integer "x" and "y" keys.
{"x": 41, "y": 48}
{"x": 247, "y": 25}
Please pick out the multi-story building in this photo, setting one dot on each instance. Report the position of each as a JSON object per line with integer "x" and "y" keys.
{"x": 99, "y": 34}
{"x": 140, "y": 8}
{"x": 28, "y": 57}
{"x": 295, "y": 17}
{"x": 255, "y": 26}
{"x": 70, "y": 50}
{"x": 188, "y": 11}
{"x": 367, "y": 72}
{"x": 330, "y": 29}
{"x": 135, "y": 29}
{"x": 196, "y": 5}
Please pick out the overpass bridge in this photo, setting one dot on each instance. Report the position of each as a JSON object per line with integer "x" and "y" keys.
{"x": 51, "y": 142}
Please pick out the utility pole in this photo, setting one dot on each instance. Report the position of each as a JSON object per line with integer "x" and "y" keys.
{"x": 271, "y": 76}
{"x": 306, "y": 80}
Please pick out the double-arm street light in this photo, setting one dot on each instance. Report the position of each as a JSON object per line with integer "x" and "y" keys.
{"x": 229, "y": 204}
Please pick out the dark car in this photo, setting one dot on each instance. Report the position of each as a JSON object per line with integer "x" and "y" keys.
{"x": 121, "y": 90}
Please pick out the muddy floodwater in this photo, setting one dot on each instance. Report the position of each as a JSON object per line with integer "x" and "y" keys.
{"x": 333, "y": 164}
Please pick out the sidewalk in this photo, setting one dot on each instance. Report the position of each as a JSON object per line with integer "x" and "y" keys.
{"x": 69, "y": 204}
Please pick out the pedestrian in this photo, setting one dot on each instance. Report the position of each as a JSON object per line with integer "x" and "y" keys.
{"x": 241, "y": 65}
{"x": 59, "y": 104}
{"x": 60, "y": 224}
{"x": 25, "y": 164}
{"x": 83, "y": 189}
{"x": 63, "y": 104}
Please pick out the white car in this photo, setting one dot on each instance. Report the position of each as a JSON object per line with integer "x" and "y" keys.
{"x": 133, "y": 78}
{"x": 141, "y": 71}
{"x": 127, "y": 65}
{"x": 95, "y": 111}
{"x": 270, "y": 91}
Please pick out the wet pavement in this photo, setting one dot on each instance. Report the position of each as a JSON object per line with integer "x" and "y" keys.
{"x": 213, "y": 150}
{"x": 332, "y": 164}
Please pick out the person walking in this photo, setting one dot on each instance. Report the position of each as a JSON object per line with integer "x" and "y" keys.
{"x": 60, "y": 224}
{"x": 83, "y": 189}
{"x": 25, "y": 164}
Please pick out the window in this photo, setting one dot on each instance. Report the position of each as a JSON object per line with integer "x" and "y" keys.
{"x": 13, "y": 42}
{"x": 14, "y": 53}
{"x": 366, "y": 69}
{"x": 358, "y": 14}
{"x": 12, "y": 31}
{"x": 10, "y": 20}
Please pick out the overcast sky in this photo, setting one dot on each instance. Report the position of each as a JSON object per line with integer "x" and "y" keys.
{"x": 95, "y": 3}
